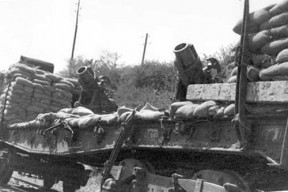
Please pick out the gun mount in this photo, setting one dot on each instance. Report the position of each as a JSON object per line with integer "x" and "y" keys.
{"x": 93, "y": 95}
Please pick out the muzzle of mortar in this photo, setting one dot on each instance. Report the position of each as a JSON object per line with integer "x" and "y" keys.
{"x": 186, "y": 54}
{"x": 86, "y": 78}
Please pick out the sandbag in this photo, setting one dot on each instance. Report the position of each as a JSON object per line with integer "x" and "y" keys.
{"x": 231, "y": 65}
{"x": 28, "y": 89}
{"x": 234, "y": 72}
{"x": 275, "y": 21}
{"x": 14, "y": 85}
{"x": 269, "y": 7}
{"x": 282, "y": 56}
{"x": 39, "y": 91}
{"x": 42, "y": 96}
{"x": 23, "y": 82}
{"x": 252, "y": 73}
{"x": 62, "y": 94}
{"x": 174, "y": 106}
{"x": 74, "y": 81}
{"x": 38, "y": 86}
{"x": 42, "y": 105}
{"x": 258, "y": 40}
{"x": 10, "y": 73}
{"x": 109, "y": 118}
{"x": 49, "y": 89}
{"x": 87, "y": 121}
{"x": 255, "y": 19}
{"x": 261, "y": 60}
{"x": 279, "y": 32}
{"x": 202, "y": 109}
{"x": 62, "y": 115}
{"x": 15, "y": 91}
{"x": 24, "y": 76}
{"x": 45, "y": 118}
{"x": 41, "y": 82}
{"x": 63, "y": 86}
{"x": 149, "y": 115}
{"x": 229, "y": 110}
{"x": 274, "y": 47}
{"x": 16, "y": 98}
{"x": 24, "y": 67}
{"x": 278, "y": 69}
{"x": 65, "y": 81}
{"x": 265, "y": 77}
{"x": 232, "y": 79}
{"x": 186, "y": 111}
{"x": 212, "y": 111}
{"x": 42, "y": 77}
{"x": 82, "y": 111}
{"x": 220, "y": 112}
{"x": 54, "y": 78}
{"x": 279, "y": 8}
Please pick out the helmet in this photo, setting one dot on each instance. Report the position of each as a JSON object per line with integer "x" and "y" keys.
{"x": 213, "y": 63}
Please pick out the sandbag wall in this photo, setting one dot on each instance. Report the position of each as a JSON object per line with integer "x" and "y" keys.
{"x": 268, "y": 37}
{"x": 29, "y": 91}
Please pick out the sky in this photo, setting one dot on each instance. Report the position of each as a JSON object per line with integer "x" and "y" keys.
{"x": 44, "y": 29}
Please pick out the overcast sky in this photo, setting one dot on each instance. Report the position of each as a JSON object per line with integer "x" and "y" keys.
{"x": 44, "y": 29}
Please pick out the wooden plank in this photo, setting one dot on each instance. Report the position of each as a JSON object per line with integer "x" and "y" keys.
{"x": 262, "y": 91}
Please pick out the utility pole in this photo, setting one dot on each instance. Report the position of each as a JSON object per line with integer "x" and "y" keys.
{"x": 75, "y": 33}
{"x": 145, "y": 44}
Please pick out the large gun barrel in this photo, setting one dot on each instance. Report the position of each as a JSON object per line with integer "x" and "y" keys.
{"x": 86, "y": 78}
{"x": 188, "y": 64}
{"x": 93, "y": 95}
{"x": 186, "y": 54}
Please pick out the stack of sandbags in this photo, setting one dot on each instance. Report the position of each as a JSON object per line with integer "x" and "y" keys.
{"x": 268, "y": 29}
{"x": 268, "y": 36}
{"x": 279, "y": 71}
{"x": 258, "y": 63}
{"x": 188, "y": 109}
{"x": 29, "y": 91}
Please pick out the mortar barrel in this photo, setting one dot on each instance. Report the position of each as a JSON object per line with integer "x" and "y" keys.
{"x": 185, "y": 54}
{"x": 86, "y": 77}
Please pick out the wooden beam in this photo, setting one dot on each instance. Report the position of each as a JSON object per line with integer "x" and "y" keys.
{"x": 262, "y": 91}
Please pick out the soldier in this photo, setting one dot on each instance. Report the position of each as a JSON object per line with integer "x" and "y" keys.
{"x": 212, "y": 71}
